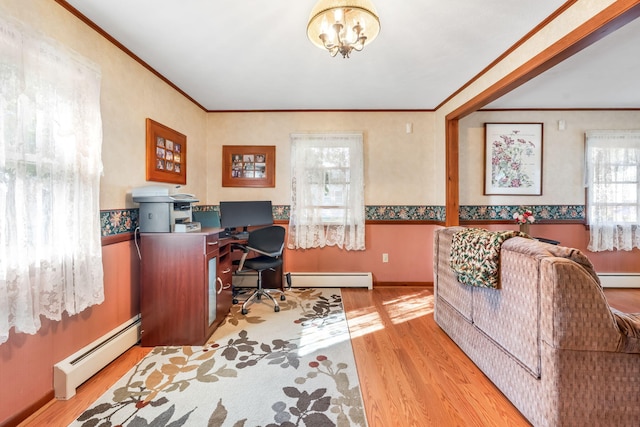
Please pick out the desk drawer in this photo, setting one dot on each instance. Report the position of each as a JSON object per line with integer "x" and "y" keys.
{"x": 211, "y": 243}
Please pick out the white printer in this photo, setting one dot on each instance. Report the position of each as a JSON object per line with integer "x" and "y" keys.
{"x": 162, "y": 212}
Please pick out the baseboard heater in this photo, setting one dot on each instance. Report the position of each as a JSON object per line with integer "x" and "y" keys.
{"x": 83, "y": 364}
{"x": 332, "y": 280}
{"x": 620, "y": 280}
{"x": 312, "y": 280}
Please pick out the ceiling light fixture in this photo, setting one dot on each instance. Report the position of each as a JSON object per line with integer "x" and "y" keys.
{"x": 343, "y": 25}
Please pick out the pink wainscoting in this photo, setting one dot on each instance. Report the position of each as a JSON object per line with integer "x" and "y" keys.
{"x": 410, "y": 249}
{"x": 409, "y": 246}
{"x": 26, "y": 361}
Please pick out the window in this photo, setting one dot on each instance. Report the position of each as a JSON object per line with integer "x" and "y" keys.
{"x": 50, "y": 166}
{"x": 327, "y": 191}
{"x": 613, "y": 189}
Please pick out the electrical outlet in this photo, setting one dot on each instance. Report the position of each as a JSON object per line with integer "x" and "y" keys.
{"x": 385, "y": 257}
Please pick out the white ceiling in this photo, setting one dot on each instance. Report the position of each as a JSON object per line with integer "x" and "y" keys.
{"x": 604, "y": 75}
{"x": 254, "y": 54}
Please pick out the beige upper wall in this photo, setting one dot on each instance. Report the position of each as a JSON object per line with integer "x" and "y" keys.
{"x": 401, "y": 168}
{"x": 129, "y": 94}
{"x": 563, "y": 153}
{"x": 398, "y": 165}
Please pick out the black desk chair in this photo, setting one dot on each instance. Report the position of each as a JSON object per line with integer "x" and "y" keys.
{"x": 268, "y": 243}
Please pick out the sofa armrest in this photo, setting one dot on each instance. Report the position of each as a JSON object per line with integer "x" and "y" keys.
{"x": 575, "y": 312}
{"x": 629, "y": 325}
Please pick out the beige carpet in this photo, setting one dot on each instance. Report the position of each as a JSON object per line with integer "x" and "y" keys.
{"x": 292, "y": 368}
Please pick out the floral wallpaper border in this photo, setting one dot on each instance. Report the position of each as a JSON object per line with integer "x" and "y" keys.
{"x": 505, "y": 212}
{"x": 114, "y": 222}
{"x": 405, "y": 213}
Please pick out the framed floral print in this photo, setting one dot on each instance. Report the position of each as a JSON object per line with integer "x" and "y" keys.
{"x": 248, "y": 166}
{"x": 166, "y": 154}
{"x": 513, "y": 159}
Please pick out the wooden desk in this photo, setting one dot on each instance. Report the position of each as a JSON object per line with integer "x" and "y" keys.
{"x": 185, "y": 286}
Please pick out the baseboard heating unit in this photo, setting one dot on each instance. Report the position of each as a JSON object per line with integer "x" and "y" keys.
{"x": 332, "y": 280}
{"x": 83, "y": 364}
{"x": 312, "y": 280}
{"x": 620, "y": 280}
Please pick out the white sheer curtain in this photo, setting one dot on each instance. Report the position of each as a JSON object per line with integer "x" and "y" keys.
{"x": 613, "y": 189}
{"x": 50, "y": 167}
{"x": 327, "y": 191}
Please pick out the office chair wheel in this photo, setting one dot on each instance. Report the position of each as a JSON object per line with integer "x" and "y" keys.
{"x": 235, "y": 300}
{"x": 276, "y": 308}
{"x": 282, "y": 297}
{"x": 244, "y": 311}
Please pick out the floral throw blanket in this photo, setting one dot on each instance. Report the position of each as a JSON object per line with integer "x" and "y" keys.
{"x": 475, "y": 256}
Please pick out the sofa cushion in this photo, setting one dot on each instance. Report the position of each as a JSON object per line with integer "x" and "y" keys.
{"x": 510, "y": 315}
{"x": 540, "y": 249}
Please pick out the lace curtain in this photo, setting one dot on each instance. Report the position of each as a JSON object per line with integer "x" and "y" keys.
{"x": 50, "y": 167}
{"x": 613, "y": 189}
{"x": 327, "y": 191}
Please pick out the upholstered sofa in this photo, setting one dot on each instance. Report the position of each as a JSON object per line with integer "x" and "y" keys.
{"x": 546, "y": 336}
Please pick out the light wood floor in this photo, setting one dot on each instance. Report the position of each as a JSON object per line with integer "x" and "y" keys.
{"x": 411, "y": 373}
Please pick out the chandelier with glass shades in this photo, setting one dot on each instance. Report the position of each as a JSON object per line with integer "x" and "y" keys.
{"x": 342, "y": 26}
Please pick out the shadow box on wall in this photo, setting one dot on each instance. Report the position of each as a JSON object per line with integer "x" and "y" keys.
{"x": 166, "y": 154}
{"x": 248, "y": 166}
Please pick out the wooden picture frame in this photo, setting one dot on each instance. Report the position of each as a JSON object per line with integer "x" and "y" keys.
{"x": 248, "y": 166}
{"x": 166, "y": 154}
{"x": 513, "y": 159}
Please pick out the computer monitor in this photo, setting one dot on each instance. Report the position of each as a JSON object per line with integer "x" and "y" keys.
{"x": 243, "y": 214}
{"x": 207, "y": 219}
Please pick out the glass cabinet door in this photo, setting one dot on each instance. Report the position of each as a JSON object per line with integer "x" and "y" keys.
{"x": 211, "y": 289}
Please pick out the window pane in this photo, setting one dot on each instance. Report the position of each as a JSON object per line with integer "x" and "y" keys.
{"x": 333, "y": 215}
{"x": 614, "y": 213}
{"x": 616, "y": 193}
{"x": 624, "y": 173}
{"x": 335, "y": 157}
{"x": 335, "y": 196}
{"x": 337, "y": 176}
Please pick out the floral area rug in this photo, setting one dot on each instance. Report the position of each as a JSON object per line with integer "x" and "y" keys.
{"x": 291, "y": 368}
